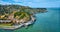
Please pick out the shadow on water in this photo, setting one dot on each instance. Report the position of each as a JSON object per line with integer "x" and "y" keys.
{"x": 31, "y": 25}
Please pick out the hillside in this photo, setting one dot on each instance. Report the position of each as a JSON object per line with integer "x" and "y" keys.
{"x": 10, "y": 8}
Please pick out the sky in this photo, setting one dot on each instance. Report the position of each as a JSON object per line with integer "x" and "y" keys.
{"x": 33, "y": 3}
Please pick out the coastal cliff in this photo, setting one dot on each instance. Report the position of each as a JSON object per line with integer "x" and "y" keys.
{"x": 18, "y": 15}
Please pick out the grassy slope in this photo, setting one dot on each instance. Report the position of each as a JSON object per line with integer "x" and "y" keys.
{"x": 10, "y": 8}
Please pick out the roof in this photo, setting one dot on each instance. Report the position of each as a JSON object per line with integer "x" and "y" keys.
{"x": 5, "y": 20}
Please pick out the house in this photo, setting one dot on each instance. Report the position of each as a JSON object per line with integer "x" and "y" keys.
{"x": 5, "y": 21}
{"x": 2, "y": 16}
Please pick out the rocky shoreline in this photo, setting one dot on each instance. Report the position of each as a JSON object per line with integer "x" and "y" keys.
{"x": 20, "y": 25}
{"x": 19, "y": 16}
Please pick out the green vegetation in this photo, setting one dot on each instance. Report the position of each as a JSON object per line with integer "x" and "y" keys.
{"x": 23, "y": 12}
{"x": 10, "y": 8}
{"x": 21, "y": 15}
{"x": 5, "y": 24}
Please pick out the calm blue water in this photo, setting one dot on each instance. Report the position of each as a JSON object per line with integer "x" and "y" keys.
{"x": 45, "y": 22}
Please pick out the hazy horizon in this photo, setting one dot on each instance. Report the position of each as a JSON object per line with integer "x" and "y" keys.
{"x": 33, "y": 3}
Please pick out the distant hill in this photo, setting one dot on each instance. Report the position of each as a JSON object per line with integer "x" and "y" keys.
{"x": 9, "y": 8}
